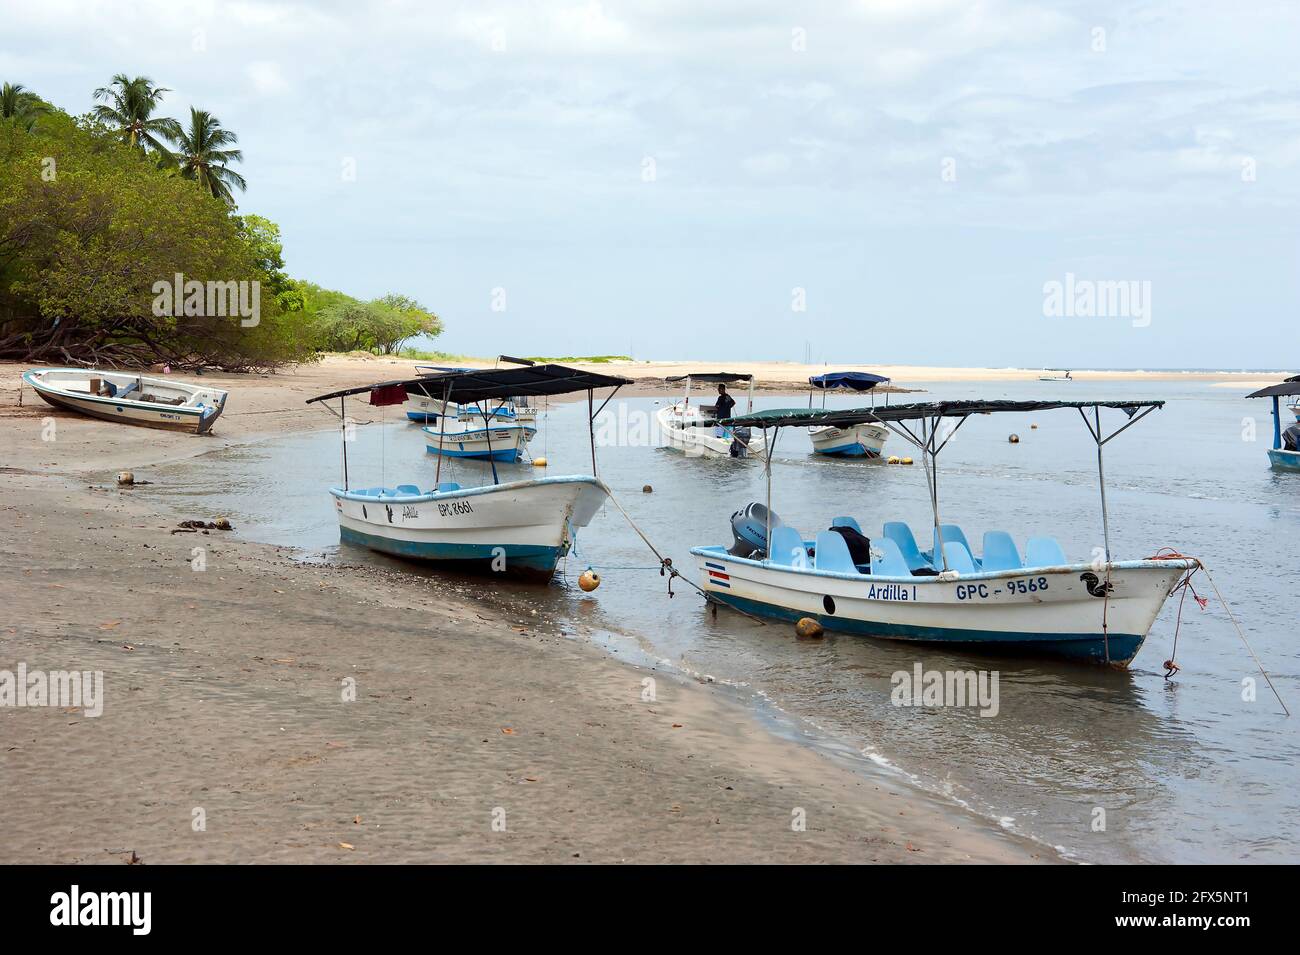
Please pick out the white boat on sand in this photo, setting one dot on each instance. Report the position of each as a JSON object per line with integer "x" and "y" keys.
{"x": 886, "y": 586}
{"x": 131, "y": 399}
{"x": 519, "y": 528}
{"x": 694, "y": 429}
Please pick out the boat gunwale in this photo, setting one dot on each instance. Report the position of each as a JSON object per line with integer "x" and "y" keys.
{"x": 351, "y": 495}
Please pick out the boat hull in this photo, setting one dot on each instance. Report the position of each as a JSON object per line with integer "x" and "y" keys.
{"x": 501, "y": 442}
{"x": 1048, "y": 611}
{"x": 1283, "y": 460}
{"x": 519, "y": 529}
{"x": 859, "y": 441}
{"x": 193, "y": 420}
{"x": 700, "y": 440}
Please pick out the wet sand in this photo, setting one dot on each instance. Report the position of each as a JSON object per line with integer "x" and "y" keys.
{"x": 224, "y": 698}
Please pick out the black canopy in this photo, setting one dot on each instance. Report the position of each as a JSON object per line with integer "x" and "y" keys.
{"x": 714, "y": 376}
{"x": 1289, "y": 387}
{"x": 467, "y": 387}
{"x": 856, "y": 380}
{"x": 785, "y": 417}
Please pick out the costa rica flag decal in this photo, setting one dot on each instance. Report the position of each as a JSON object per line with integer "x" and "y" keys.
{"x": 718, "y": 575}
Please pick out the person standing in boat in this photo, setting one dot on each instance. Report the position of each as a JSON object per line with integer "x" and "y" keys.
{"x": 725, "y": 403}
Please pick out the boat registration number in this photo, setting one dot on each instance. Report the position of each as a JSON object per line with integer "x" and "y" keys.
{"x": 452, "y": 508}
{"x": 1030, "y": 585}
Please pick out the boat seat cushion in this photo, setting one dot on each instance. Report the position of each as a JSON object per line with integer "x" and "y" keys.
{"x": 407, "y": 489}
{"x": 846, "y": 522}
{"x": 958, "y": 558}
{"x": 901, "y": 535}
{"x": 1000, "y": 551}
{"x": 887, "y": 559}
{"x": 951, "y": 532}
{"x": 1043, "y": 552}
{"x": 788, "y": 547}
{"x": 448, "y": 486}
{"x": 833, "y": 554}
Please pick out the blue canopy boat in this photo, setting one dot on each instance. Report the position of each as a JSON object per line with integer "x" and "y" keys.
{"x": 863, "y": 440}
{"x": 1097, "y": 610}
{"x": 1285, "y": 453}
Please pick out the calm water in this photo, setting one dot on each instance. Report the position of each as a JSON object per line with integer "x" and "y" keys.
{"x": 1186, "y": 770}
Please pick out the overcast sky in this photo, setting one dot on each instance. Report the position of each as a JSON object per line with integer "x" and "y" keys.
{"x": 882, "y": 181}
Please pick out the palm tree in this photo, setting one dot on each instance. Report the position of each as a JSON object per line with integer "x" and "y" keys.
{"x": 20, "y": 104}
{"x": 129, "y": 105}
{"x": 201, "y": 155}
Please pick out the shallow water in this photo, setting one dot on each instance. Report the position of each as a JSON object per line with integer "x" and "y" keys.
{"x": 1186, "y": 770}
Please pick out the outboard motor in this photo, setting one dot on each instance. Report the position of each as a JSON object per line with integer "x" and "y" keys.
{"x": 749, "y": 528}
{"x": 740, "y": 445}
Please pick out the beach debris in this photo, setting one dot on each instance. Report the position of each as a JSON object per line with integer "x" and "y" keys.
{"x": 109, "y": 624}
{"x": 539, "y": 462}
{"x": 808, "y": 627}
{"x": 508, "y": 731}
{"x": 589, "y": 580}
{"x": 347, "y": 845}
{"x": 1014, "y": 439}
{"x": 135, "y": 859}
{"x": 220, "y": 524}
{"x": 125, "y": 478}
{"x": 647, "y": 489}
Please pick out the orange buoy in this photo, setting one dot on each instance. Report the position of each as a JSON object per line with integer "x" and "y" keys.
{"x": 808, "y": 627}
{"x": 589, "y": 580}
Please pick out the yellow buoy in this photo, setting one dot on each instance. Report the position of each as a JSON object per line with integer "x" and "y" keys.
{"x": 647, "y": 489}
{"x": 589, "y": 580}
{"x": 539, "y": 462}
{"x": 125, "y": 478}
{"x": 1033, "y": 427}
{"x": 893, "y": 459}
{"x": 1014, "y": 439}
{"x": 905, "y": 461}
{"x": 808, "y": 627}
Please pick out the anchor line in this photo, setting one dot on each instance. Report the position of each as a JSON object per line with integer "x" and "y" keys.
{"x": 666, "y": 563}
{"x": 1185, "y": 584}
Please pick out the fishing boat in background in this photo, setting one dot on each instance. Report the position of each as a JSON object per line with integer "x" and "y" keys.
{"x": 1041, "y": 603}
{"x": 489, "y": 434}
{"x": 1285, "y": 453}
{"x": 863, "y": 440}
{"x": 1064, "y": 377}
{"x": 695, "y": 430}
{"x": 131, "y": 399}
{"x": 517, "y": 528}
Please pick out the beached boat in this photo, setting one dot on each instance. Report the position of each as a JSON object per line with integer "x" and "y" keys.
{"x": 519, "y": 528}
{"x": 1040, "y": 603}
{"x": 131, "y": 399}
{"x": 863, "y": 440}
{"x": 694, "y": 429}
{"x": 1285, "y": 453}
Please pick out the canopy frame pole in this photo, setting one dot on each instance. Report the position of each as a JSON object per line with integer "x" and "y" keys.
{"x": 1277, "y": 425}
{"x": 750, "y": 408}
{"x": 767, "y": 471}
{"x": 343, "y": 425}
{"x": 487, "y": 425}
{"x": 1094, "y": 429}
{"x": 929, "y": 431}
{"x": 591, "y": 420}
{"x": 442, "y": 433}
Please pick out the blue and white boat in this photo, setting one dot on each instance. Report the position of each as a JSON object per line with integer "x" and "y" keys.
{"x": 1040, "y": 602}
{"x": 1285, "y": 453}
{"x": 495, "y": 436}
{"x": 517, "y": 528}
{"x": 863, "y": 440}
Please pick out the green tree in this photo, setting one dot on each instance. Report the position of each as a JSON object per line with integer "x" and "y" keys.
{"x": 20, "y": 105}
{"x": 202, "y": 156}
{"x": 128, "y": 106}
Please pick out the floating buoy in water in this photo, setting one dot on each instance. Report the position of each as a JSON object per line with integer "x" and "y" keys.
{"x": 125, "y": 478}
{"x": 1014, "y": 439}
{"x": 808, "y": 627}
{"x": 894, "y": 459}
{"x": 647, "y": 489}
{"x": 1033, "y": 427}
{"x": 905, "y": 461}
{"x": 539, "y": 462}
{"x": 589, "y": 580}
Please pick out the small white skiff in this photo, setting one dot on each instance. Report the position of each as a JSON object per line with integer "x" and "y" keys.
{"x": 132, "y": 399}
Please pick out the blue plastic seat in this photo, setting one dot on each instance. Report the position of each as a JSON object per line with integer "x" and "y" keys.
{"x": 833, "y": 554}
{"x": 957, "y": 556}
{"x": 788, "y": 547}
{"x": 407, "y": 489}
{"x": 1044, "y": 552}
{"x": 1000, "y": 551}
{"x": 448, "y": 486}
{"x": 887, "y": 559}
{"x": 901, "y": 535}
{"x": 845, "y": 522}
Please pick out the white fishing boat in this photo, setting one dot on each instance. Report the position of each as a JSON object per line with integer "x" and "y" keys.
{"x": 131, "y": 399}
{"x": 695, "y": 430}
{"x": 1041, "y": 603}
{"x": 865, "y": 440}
{"x": 1284, "y": 455}
{"x": 518, "y": 528}
{"x": 1064, "y": 377}
{"x": 492, "y": 437}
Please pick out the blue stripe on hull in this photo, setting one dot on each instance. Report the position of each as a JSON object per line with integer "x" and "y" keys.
{"x": 1081, "y": 646}
{"x": 849, "y": 451}
{"x": 422, "y": 416}
{"x": 509, "y": 456}
{"x": 524, "y": 560}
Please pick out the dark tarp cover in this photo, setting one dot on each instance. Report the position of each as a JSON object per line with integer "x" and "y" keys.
{"x": 467, "y": 387}
{"x": 720, "y": 377}
{"x": 856, "y": 380}
{"x": 784, "y": 417}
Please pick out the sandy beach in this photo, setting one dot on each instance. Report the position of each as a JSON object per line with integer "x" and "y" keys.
{"x": 225, "y": 736}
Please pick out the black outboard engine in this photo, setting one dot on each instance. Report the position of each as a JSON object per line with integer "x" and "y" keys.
{"x": 740, "y": 446}
{"x": 749, "y": 528}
